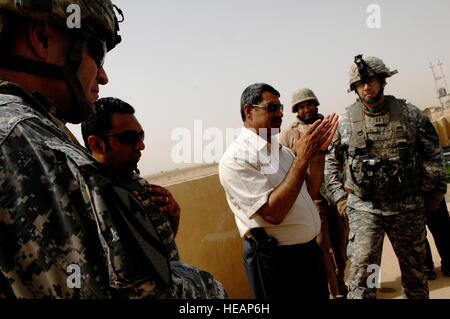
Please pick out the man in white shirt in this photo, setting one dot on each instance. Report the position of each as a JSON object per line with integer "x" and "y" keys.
{"x": 270, "y": 190}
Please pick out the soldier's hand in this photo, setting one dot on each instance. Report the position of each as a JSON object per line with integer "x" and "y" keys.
{"x": 309, "y": 144}
{"x": 341, "y": 206}
{"x": 432, "y": 201}
{"x": 328, "y": 136}
{"x": 171, "y": 206}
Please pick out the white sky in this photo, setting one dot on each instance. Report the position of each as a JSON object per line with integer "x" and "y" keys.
{"x": 182, "y": 61}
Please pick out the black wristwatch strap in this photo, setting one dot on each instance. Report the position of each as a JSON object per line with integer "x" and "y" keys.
{"x": 330, "y": 147}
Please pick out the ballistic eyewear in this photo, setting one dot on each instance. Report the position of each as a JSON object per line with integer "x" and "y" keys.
{"x": 128, "y": 137}
{"x": 371, "y": 81}
{"x": 97, "y": 49}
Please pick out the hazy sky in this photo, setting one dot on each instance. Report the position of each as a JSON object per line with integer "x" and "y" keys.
{"x": 182, "y": 61}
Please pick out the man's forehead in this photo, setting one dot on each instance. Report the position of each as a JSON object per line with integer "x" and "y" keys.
{"x": 121, "y": 122}
{"x": 269, "y": 96}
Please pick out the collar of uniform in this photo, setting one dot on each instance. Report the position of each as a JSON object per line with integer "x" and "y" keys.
{"x": 49, "y": 107}
{"x": 377, "y": 110}
{"x": 41, "y": 104}
{"x": 126, "y": 176}
{"x": 54, "y": 114}
{"x": 35, "y": 100}
{"x": 300, "y": 121}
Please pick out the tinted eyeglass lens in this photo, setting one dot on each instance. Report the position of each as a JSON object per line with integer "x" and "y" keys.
{"x": 272, "y": 107}
{"x": 97, "y": 49}
{"x": 370, "y": 81}
{"x": 129, "y": 137}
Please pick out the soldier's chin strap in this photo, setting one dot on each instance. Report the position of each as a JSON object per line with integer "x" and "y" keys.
{"x": 374, "y": 99}
{"x": 66, "y": 73}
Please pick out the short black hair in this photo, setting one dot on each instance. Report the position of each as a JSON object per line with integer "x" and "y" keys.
{"x": 100, "y": 123}
{"x": 253, "y": 95}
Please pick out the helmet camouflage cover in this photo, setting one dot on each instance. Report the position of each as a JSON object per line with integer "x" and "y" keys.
{"x": 97, "y": 21}
{"x": 376, "y": 67}
{"x": 98, "y": 13}
{"x": 303, "y": 95}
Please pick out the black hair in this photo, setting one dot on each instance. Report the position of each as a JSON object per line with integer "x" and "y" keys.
{"x": 100, "y": 123}
{"x": 253, "y": 95}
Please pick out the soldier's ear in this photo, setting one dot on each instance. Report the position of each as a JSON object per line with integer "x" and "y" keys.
{"x": 37, "y": 34}
{"x": 96, "y": 144}
{"x": 247, "y": 112}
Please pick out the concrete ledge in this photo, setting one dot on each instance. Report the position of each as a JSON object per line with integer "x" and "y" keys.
{"x": 208, "y": 237}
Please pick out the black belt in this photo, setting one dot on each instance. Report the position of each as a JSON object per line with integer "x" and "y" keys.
{"x": 260, "y": 235}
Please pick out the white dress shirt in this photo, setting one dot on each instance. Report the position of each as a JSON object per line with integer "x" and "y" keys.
{"x": 249, "y": 173}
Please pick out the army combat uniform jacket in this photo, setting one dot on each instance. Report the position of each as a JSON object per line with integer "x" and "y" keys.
{"x": 392, "y": 158}
{"x": 68, "y": 229}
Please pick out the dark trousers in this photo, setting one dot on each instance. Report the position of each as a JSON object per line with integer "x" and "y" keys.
{"x": 285, "y": 272}
{"x": 439, "y": 226}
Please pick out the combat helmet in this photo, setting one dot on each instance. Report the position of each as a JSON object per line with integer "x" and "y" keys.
{"x": 97, "y": 21}
{"x": 362, "y": 69}
{"x": 303, "y": 95}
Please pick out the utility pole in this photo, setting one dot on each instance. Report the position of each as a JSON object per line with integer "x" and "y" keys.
{"x": 440, "y": 84}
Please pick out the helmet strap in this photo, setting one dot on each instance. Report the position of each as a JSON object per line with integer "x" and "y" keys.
{"x": 85, "y": 108}
{"x": 67, "y": 73}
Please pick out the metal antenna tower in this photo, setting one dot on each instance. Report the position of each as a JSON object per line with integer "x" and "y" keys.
{"x": 440, "y": 83}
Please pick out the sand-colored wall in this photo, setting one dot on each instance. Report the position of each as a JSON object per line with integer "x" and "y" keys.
{"x": 442, "y": 126}
{"x": 208, "y": 237}
{"x": 441, "y": 122}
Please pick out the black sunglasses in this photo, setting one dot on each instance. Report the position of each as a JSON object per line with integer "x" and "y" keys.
{"x": 270, "y": 107}
{"x": 97, "y": 49}
{"x": 128, "y": 137}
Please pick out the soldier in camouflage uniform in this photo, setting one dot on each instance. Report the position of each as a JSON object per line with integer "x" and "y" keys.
{"x": 334, "y": 226}
{"x": 115, "y": 139}
{"x": 394, "y": 168}
{"x": 68, "y": 227}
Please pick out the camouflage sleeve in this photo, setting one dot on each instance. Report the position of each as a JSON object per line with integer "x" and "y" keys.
{"x": 159, "y": 220}
{"x": 434, "y": 175}
{"x": 333, "y": 171}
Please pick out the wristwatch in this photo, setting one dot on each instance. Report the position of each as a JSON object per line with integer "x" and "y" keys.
{"x": 330, "y": 147}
